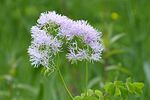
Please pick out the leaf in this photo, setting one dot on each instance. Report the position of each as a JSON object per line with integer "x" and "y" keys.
{"x": 41, "y": 92}
{"x": 90, "y": 92}
{"x": 83, "y": 95}
{"x": 90, "y": 98}
{"x": 77, "y": 98}
{"x": 92, "y": 95}
{"x": 134, "y": 87}
{"x": 93, "y": 82}
{"x": 98, "y": 93}
{"x": 129, "y": 79}
{"x": 26, "y": 87}
{"x": 118, "y": 83}
{"x": 119, "y": 68}
{"x": 114, "y": 52}
{"x": 117, "y": 92}
{"x": 124, "y": 92}
{"x": 138, "y": 87}
{"x": 130, "y": 87}
{"x": 109, "y": 88}
{"x": 147, "y": 71}
{"x": 116, "y": 38}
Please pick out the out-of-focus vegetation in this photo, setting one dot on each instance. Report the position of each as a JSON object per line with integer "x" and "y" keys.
{"x": 125, "y": 27}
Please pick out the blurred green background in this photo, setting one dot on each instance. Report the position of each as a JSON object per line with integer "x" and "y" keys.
{"x": 126, "y": 36}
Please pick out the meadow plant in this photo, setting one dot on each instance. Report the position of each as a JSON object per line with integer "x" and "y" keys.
{"x": 83, "y": 42}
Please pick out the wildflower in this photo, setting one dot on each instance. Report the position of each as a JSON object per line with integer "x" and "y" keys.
{"x": 47, "y": 39}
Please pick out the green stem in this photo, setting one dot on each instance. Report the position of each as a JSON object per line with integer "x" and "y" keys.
{"x": 86, "y": 78}
{"x": 63, "y": 81}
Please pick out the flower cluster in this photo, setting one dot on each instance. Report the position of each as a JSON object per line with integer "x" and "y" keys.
{"x": 83, "y": 41}
{"x": 43, "y": 47}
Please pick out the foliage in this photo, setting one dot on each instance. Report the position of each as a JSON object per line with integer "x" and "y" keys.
{"x": 112, "y": 91}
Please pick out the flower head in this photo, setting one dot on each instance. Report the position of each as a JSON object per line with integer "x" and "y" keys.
{"x": 44, "y": 45}
{"x": 83, "y": 41}
{"x": 89, "y": 42}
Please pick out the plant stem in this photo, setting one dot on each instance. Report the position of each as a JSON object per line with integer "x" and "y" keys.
{"x": 86, "y": 78}
{"x": 63, "y": 81}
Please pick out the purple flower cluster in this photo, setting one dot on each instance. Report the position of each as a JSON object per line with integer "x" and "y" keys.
{"x": 45, "y": 45}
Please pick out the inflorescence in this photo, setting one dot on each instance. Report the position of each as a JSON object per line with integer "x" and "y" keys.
{"x": 83, "y": 41}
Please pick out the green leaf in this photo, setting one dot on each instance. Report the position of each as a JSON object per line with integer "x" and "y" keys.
{"x": 129, "y": 79}
{"x": 124, "y": 92}
{"x": 118, "y": 68}
{"x": 138, "y": 87}
{"x": 77, "y": 98}
{"x": 41, "y": 92}
{"x": 98, "y": 93}
{"x": 90, "y": 98}
{"x": 90, "y": 92}
{"x": 134, "y": 87}
{"x": 147, "y": 71}
{"x": 130, "y": 87}
{"x": 92, "y": 95}
{"x": 114, "y": 52}
{"x": 109, "y": 88}
{"x": 83, "y": 94}
{"x": 94, "y": 81}
{"x": 117, "y": 92}
{"x": 116, "y": 38}
{"x": 118, "y": 83}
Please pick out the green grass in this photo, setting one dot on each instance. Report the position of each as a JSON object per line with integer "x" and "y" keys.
{"x": 18, "y": 79}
